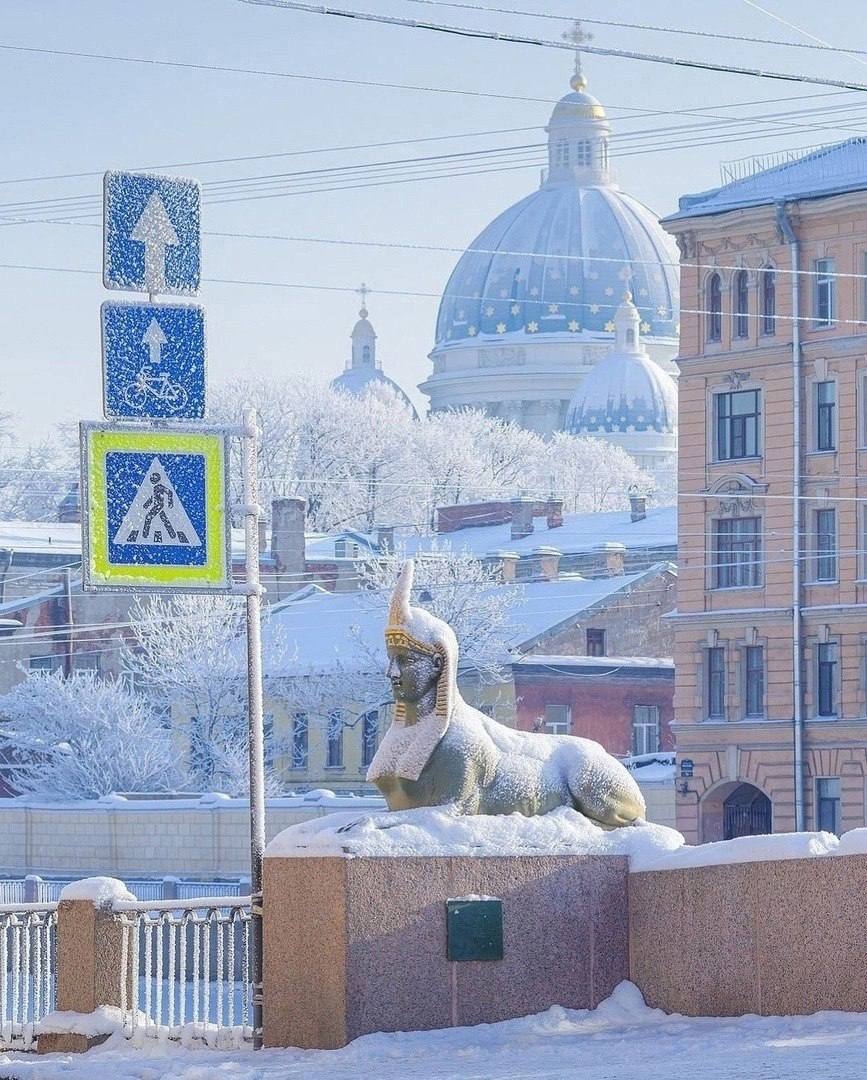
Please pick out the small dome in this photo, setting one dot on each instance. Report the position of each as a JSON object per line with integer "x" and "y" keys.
{"x": 624, "y": 393}
{"x": 364, "y": 372}
{"x": 576, "y": 106}
{"x": 359, "y": 381}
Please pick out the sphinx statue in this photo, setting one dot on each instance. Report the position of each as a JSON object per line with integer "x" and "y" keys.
{"x": 439, "y": 751}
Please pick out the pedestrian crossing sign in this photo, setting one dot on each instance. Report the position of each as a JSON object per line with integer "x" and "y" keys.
{"x": 155, "y": 508}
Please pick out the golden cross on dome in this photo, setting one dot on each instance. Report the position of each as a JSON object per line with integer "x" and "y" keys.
{"x": 578, "y": 36}
{"x": 363, "y": 292}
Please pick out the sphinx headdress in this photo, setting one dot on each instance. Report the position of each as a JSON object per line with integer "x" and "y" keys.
{"x": 414, "y": 628}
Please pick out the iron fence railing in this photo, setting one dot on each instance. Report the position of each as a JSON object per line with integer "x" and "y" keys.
{"x": 28, "y": 947}
{"x": 185, "y": 968}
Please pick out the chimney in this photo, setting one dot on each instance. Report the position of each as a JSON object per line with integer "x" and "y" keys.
{"x": 69, "y": 508}
{"x": 555, "y": 513}
{"x": 637, "y": 506}
{"x": 508, "y": 564}
{"x": 385, "y": 539}
{"x": 522, "y": 518}
{"x": 287, "y": 542}
{"x": 614, "y": 556}
{"x": 549, "y": 562}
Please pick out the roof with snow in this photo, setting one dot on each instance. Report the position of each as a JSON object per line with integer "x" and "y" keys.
{"x": 62, "y": 538}
{"x": 578, "y": 533}
{"x": 830, "y": 170}
{"x": 329, "y": 631}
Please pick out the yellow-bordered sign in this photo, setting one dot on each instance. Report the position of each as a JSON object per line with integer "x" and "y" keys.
{"x": 155, "y": 509}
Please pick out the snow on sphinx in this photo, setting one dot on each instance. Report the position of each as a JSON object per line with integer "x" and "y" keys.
{"x": 439, "y": 751}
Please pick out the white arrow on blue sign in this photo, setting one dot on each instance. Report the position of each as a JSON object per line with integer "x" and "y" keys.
{"x": 152, "y": 226}
{"x": 153, "y": 361}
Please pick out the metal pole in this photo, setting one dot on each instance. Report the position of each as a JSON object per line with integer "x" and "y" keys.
{"x": 254, "y": 592}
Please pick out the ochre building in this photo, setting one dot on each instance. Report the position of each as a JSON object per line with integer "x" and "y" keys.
{"x": 771, "y": 634}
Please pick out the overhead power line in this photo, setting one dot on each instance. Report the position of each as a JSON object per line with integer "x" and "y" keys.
{"x": 713, "y": 35}
{"x": 545, "y": 43}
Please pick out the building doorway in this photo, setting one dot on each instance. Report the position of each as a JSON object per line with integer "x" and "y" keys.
{"x": 746, "y": 812}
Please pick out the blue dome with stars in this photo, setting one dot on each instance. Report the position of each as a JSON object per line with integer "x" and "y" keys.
{"x": 557, "y": 262}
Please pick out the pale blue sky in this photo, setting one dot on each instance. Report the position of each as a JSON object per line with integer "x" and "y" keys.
{"x": 66, "y": 115}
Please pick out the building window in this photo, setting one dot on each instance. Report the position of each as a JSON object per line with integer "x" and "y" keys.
{"x": 716, "y": 683}
{"x": 86, "y": 661}
{"x": 826, "y": 545}
{"x": 828, "y": 804}
{"x": 300, "y": 741}
{"x": 826, "y": 679}
{"x": 742, "y": 304}
{"x": 365, "y": 353}
{"x": 769, "y": 301}
{"x": 754, "y": 679}
{"x": 714, "y": 308}
{"x": 825, "y": 395}
{"x": 369, "y": 736}
{"x": 558, "y": 719}
{"x": 825, "y": 305}
{"x": 737, "y": 553}
{"x": 583, "y": 153}
{"x": 737, "y": 424}
{"x": 334, "y": 745}
{"x": 645, "y": 729}
{"x": 561, "y": 152}
{"x": 267, "y": 738}
{"x": 595, "y": 642}
{"x": 54, "y": 662}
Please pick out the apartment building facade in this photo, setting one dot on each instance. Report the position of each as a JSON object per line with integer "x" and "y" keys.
{"x": 771, "y": 621}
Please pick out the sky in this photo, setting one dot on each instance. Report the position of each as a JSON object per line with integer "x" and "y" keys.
{"x": 288, "y": 305}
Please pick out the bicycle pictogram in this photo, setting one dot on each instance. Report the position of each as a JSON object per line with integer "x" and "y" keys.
{"x": 160, "y": 387}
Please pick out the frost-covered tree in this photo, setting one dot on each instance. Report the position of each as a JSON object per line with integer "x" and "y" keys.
{"x": 34, "y": 478}
{"x": 187, "y": 656}
{"x": 81, "y": 738}
{"x": 592, "y": 475}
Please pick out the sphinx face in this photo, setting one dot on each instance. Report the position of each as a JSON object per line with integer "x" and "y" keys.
{"x": 413, "y": 675}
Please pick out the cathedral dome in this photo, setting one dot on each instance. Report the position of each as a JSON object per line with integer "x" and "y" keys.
{"x": 627, "y": 391}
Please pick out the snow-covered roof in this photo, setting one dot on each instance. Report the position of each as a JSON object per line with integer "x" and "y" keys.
{"x": 578, "y": 533}
{"x": 830, "y": 170}
{"x": 643, "y": 663}
{"x": 325, "y": 631}
{"x": 63, "y": 538}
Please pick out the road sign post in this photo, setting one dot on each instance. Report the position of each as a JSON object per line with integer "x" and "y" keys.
{"x": 154, "y": 493}
{"x": 254, "y": 590}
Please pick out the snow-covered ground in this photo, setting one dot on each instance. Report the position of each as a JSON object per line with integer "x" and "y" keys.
{"x": 620, "y": 1040}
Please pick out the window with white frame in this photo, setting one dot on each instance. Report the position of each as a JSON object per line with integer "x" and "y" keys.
{"x": 583, "y": 152}
{"x": 826, "y": 544}
{"x": 828, "y": 804}
{"x": 824, "y": 293}
{"x": 754, "y": 681}
{"x": 86, "y": 661}
{"x": 827, "y": 678}
{"x": 561, "y": 152}
{"x": 558, "y": 719}
{"x": 645, "y": 729}
{"x": 737, "y": 552}
{"x": 52, "y": 662}
{"x": 825, "y": 414}
{"x": 736, "y": 417}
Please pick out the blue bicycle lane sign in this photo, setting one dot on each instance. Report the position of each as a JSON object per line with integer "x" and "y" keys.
{"x": 154, "y": 360}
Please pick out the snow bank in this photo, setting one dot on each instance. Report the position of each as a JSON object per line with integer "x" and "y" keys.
{"x": 429, "y": 831}
{"x": 102, "y": 1021}
{"x": 101, "y": 890}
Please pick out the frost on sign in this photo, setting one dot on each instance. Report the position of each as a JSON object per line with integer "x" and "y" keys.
{"x": 152, "y": 228}
{"x": 157, "y": 515}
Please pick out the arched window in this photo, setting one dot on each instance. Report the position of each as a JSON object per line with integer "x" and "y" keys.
{"x": 769, "y": 301}
{"x": 742, "y": 304}
{"x": 714, "y": 308}
{"x": 561, "y": 152}
{"x": 365, "y": 354}
{"x": 630, "y": 336}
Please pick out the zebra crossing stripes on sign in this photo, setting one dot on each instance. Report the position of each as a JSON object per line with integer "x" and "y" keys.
{"x": 155, "y": 508}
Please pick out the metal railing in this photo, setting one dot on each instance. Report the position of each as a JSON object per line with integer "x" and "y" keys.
{"x": 28, "y": 946}
{"x": 37, "y": 890}
{"x": 185, "y": 969}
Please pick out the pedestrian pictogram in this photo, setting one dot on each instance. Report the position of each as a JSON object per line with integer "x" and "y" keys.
{"x": 153, "y": 358}
{"x": 157, "y": 515}
{"x": 151, "y": 233}
{"x": 155, "y": 507}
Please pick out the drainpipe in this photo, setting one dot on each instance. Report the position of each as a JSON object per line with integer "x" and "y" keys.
{"x": 785, "y": 225}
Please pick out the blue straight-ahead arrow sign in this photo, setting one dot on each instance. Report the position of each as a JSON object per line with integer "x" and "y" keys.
{"x": 153, "y": 361}
{"x": 152, "y": 226}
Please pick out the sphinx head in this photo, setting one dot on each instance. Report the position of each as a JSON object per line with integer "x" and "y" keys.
{"x": 422, "y": 656}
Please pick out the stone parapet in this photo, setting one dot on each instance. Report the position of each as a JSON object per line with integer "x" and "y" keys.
{"x": 358, "y": 945}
